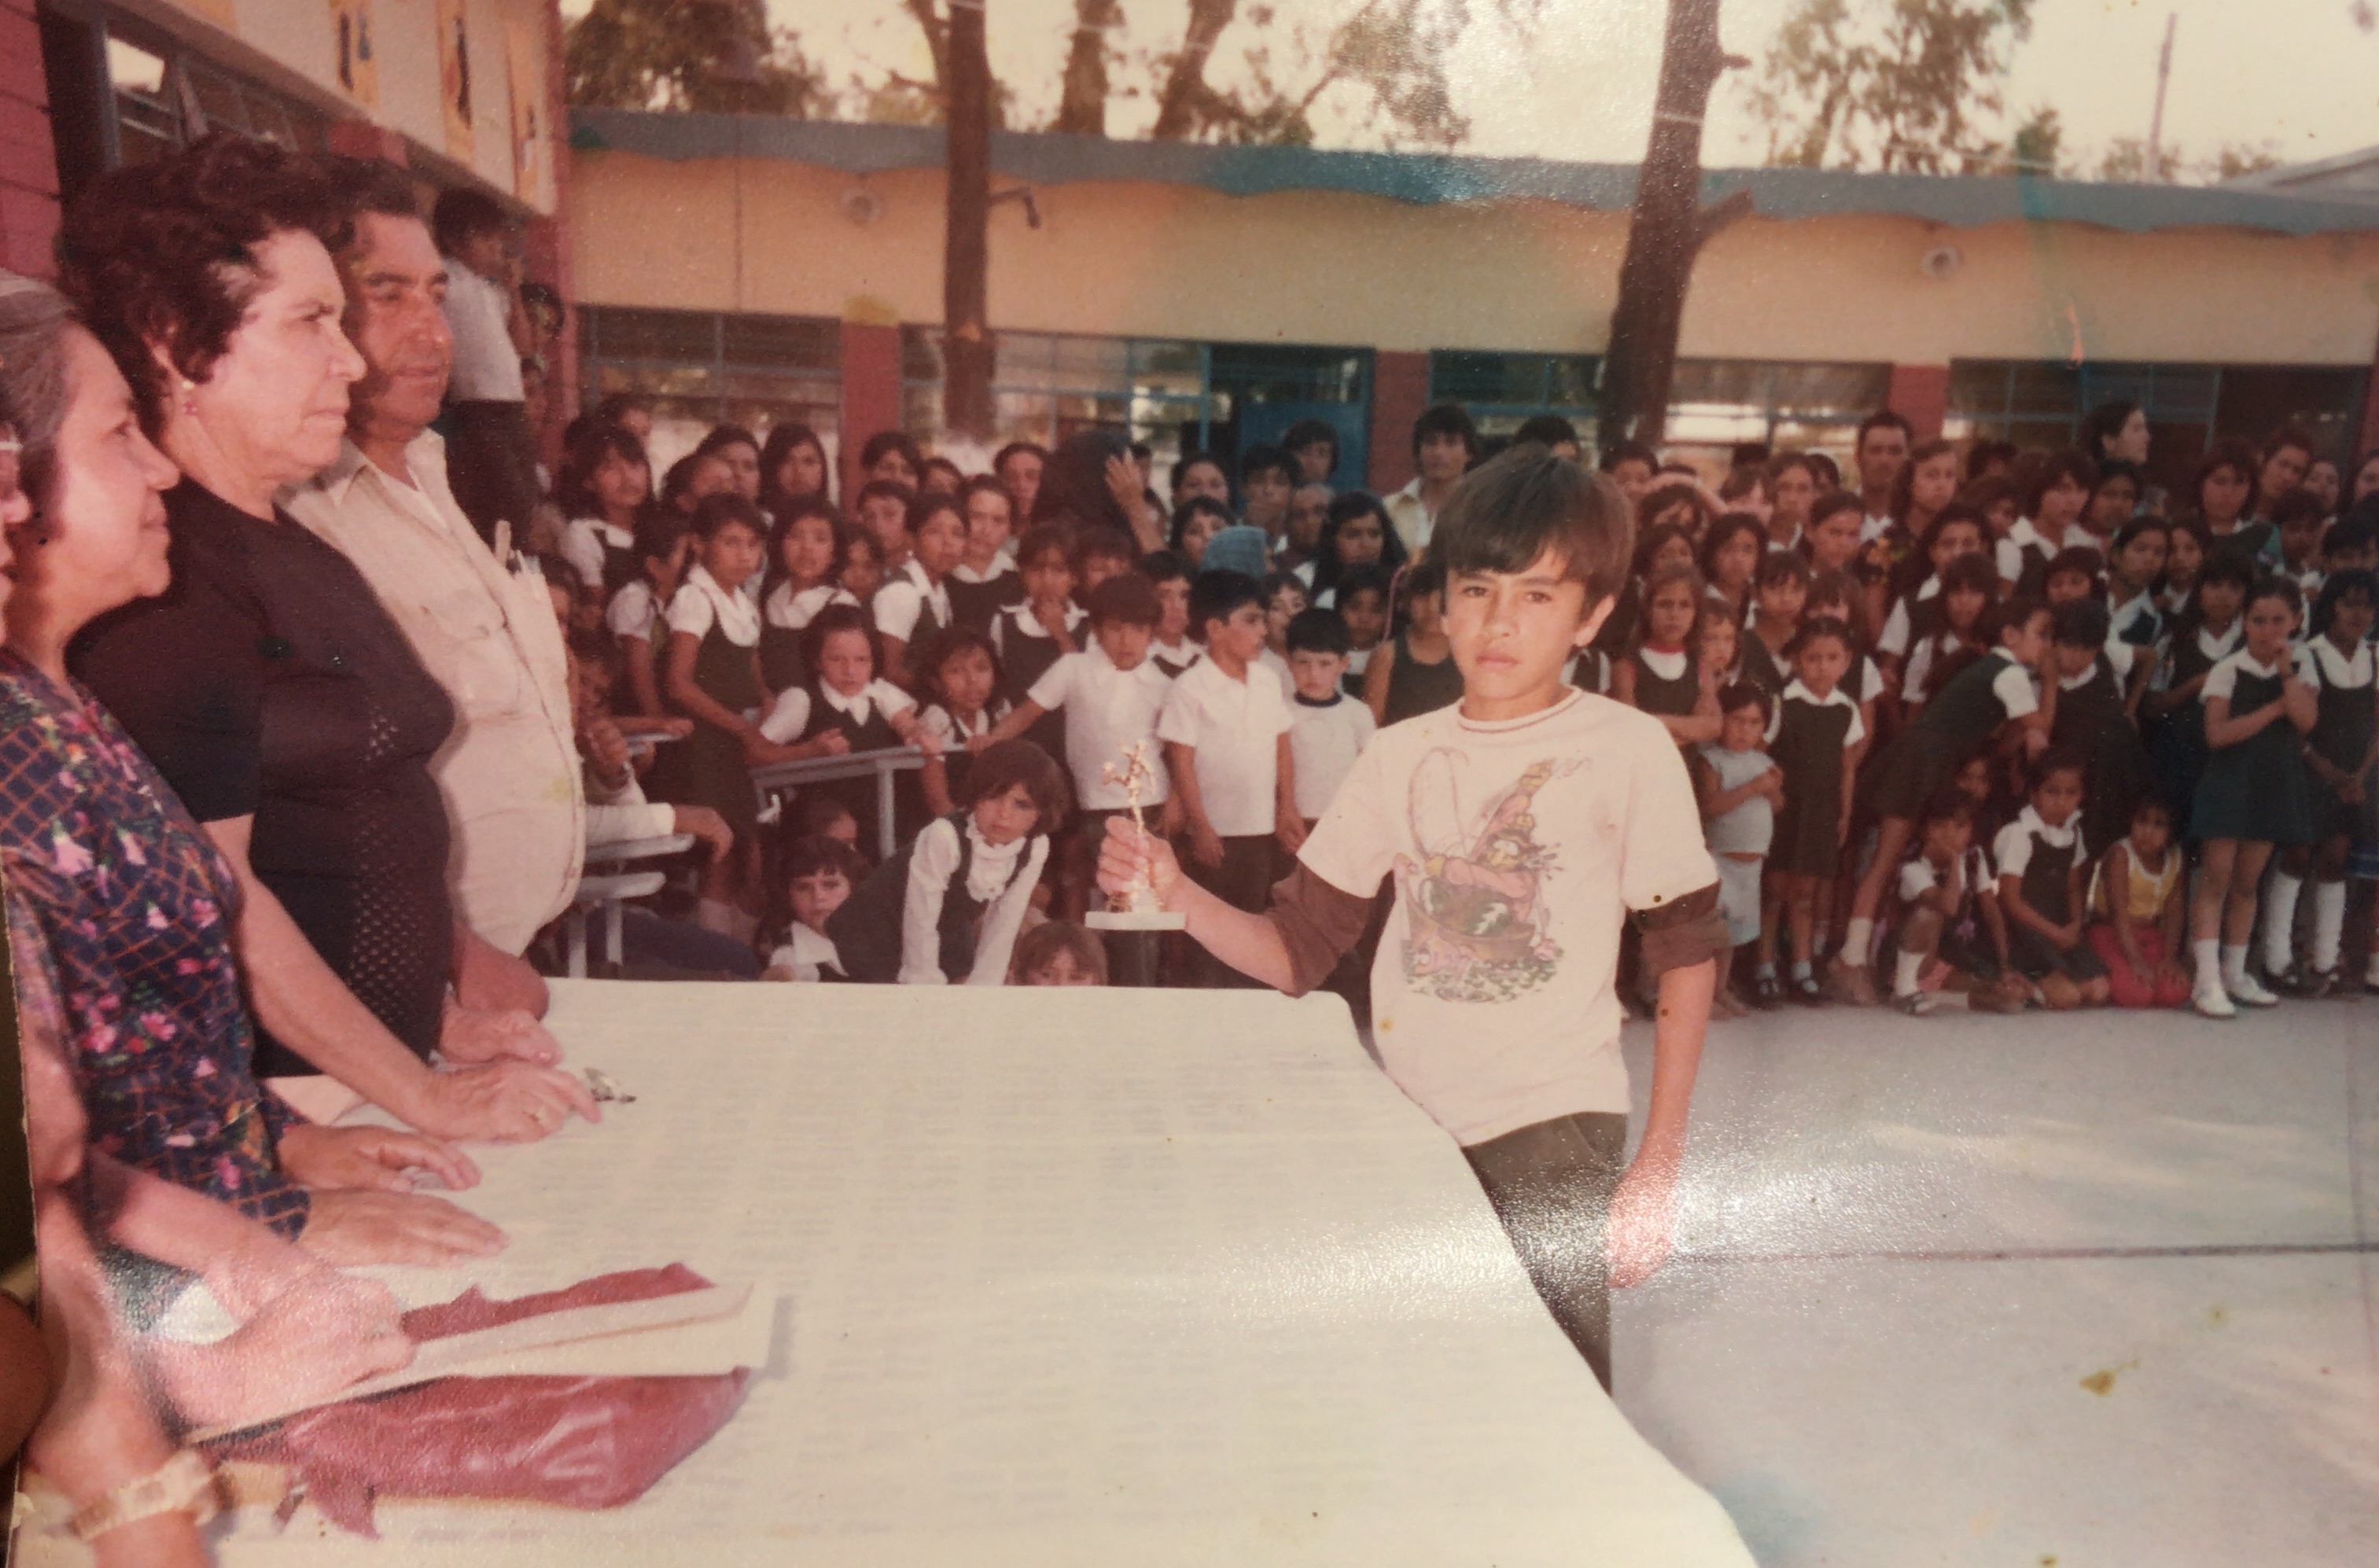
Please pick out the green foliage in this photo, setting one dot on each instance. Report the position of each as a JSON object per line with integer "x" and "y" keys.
{"x": 714, "y": 55}
{"x": 1905, "y": 86}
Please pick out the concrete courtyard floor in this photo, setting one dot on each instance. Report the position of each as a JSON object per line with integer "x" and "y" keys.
{"x": 2051, "y": 1292}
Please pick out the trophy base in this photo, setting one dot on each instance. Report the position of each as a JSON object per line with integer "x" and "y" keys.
{"x": 1135, "y": 920}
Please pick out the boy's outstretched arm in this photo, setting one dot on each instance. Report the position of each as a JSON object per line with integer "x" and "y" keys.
{"x": 1642, "y": 1222}
{"x": 1248, "y": 943}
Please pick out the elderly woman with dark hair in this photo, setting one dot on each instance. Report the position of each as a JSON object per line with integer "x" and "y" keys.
{"x": 266, "y": 682}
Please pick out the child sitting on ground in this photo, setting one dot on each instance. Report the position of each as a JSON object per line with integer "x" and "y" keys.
{"x": 2041, "y": 865}
{"x": 945, "y": 909}
{"x": 820, "y": 876}
{"x": 1058, "y": 952}
{"x": 1739, "y": 796}
{"x": 2139, "y": 912}
{"x": 1949, "y": 930}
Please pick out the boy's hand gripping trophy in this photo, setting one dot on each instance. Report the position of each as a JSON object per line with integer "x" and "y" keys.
{"x": 1134, "y": 909}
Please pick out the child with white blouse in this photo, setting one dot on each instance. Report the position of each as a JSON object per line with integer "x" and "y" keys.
{"x": 820, "y": 876}
{"x": 1328, "y": 729}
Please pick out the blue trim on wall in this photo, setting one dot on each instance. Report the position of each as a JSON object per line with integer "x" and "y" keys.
{"x": 1424, "y": 179}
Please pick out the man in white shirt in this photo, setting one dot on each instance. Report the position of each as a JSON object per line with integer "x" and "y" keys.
{"x": 1446, "y": 443}
{"x": 510, "y": 771}
{"x": 494, "y": 457}
{"x": 1883, "y": 438}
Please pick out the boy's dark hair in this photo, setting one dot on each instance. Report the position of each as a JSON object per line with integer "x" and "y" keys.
{"x": 1507, "y": 513}
{"x": 1618, "y": 453}
{"x": 2081, "y": 623}
{"x": 1217, "y": 596}
{"x": 1319, "y": 631}
{"x": 1197, "y": 506}
{"x": 1263, "y": 460}
{"x": 1274, "y": 581}
{"x": 1881, "y": 419}
{"x": 2066, "y": 462}
{"x": 1997, "y": 617}
{"x": 2340, "y": 586}
{"x": 1102, "y": 544}
{"x": 657, "y": 532}
{"x": 2351, "y": 532}
{"x": 1974, "y": 573}
{"x": 1815, "y": 626}
{"x": 1948, "y": 803}
{"x": 2298, "y": 506}
{"x": 1125, "y": 599}
{"x": 2061, "y": 759}
{"x": 462, "y": 215}
{"x": 1361, "y": 579}
{"x": 832, "y": 619}
{"x": 714, "y": 513}
{"x": 1044, "y": 539}
{"x": 1777, "y": 566}
{"x": 1160, "y": 566}
{"x": 883, "y": 442}
{"x": 878, "y": 489}
{"x": 1446, "y": 419}
{"x": 1003, "y": 767}
{"x": 1545, "y": 430}
{"x": 817, "y": 853}
{"x": 1310, "y": 432}
{"x": 1743, "y": 694}
{"x": 1038, "y": 947}
{"x": 2076, "y": 559}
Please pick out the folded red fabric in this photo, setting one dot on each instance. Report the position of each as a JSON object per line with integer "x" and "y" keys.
{"x": 574, "y": 1443}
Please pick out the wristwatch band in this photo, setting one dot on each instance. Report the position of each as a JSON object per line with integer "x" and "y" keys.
{"x": 182, "y": 1484}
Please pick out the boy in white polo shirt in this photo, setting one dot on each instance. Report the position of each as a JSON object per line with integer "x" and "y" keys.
{"x": 1226, "y": 745}
{"x": 1522, "y": 827}
{"x": 1110, "y": 693}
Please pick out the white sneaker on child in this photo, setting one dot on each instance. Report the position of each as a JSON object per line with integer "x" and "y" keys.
{"x": 2210, "y": 1001}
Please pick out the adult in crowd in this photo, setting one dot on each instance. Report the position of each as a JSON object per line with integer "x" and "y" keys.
{"x": 507, "y": 773}
{"x": 2116, "y": 432}
{"x": 794, "y": 469}
{"x": 1882, "y": 446}
{"x": 1446, "y": 443}
{"x": 495, "y": 450}
{"x": 277, "y": 697}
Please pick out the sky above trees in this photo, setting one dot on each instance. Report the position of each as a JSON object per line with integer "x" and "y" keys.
{"x": 2301, "y": 77}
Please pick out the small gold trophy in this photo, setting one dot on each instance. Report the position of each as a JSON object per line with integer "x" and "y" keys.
{"x": 1134, "y": 909}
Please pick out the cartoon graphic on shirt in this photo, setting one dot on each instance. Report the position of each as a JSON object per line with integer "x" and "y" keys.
{"x": 1476, "y": 931}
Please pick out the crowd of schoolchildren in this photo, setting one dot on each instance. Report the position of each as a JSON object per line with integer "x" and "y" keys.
{"x": 2010, "y": 724}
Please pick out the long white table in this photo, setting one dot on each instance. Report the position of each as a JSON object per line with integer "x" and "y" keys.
{"x": 1070, "y": 1277}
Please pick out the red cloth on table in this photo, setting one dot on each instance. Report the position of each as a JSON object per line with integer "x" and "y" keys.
{"x": 578, "y": 1443}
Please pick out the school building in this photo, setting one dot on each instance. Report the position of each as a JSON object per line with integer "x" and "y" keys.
{"x": 750, "y": 268}
{"x": 756, "y": 269}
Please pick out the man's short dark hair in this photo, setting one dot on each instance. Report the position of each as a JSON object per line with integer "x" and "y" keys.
{"x": 1217, "y": 596}
{"x": 1545, "y": 430}
{"x": 1164, "y": 566}
{"x": 374, "y": 186}
{"x": 1104, "y": 543}
{"x": 1262, "y": 459}
{"x": 1883, "y": 419}
{"x": 1319, "y": 631}
{"x": 462, "y": 214}
{"x": 1508, "y": 513}
{"x": 1003, "y": 767}
{"x": 1310, "y": 432}
{"x": 1618, "y": 453}
{"x": 1446, "y": 419}
{"x": 1125, "y": 599}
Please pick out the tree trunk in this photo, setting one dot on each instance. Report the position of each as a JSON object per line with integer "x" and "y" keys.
{"x": 1184, "y": 85}
{"x": 966, "y": 337}
{"x": 1667, "y": 232}
{"x": 1083, "y": 109}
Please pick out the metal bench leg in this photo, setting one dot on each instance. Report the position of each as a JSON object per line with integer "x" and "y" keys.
{"x": 886, "y": 837}
{"x": 576, "y": 926}
{"x": 615, "y": 916}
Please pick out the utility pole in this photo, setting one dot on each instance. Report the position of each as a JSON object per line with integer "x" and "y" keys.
{"x": 966, "y": 258}
{"x": 2152, "y": 166}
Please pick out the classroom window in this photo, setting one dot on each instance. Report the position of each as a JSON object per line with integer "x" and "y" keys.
{"x": 706, "y": 368}
{"x": 1502, "y": 392}
{"x": 1716, "y": 405}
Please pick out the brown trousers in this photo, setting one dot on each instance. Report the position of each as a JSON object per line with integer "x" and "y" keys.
{"x": 1551, "y": 1185}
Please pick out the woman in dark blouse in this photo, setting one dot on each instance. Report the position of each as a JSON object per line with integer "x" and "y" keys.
{"x": 267, "y": 684}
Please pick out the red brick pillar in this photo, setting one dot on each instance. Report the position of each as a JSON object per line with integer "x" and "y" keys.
{"x": 1399, "y": 396}
{"x": 29, "y": 163}
{"x": 1920, "y": 395}
{"x": 871, "y": 394}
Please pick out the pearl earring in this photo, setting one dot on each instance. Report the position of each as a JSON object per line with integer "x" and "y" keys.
{"x": 190, "y": 403}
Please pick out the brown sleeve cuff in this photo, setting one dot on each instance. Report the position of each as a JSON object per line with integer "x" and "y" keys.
{"x": 1683, "y": 932}
{"x": 1318, "y": 922}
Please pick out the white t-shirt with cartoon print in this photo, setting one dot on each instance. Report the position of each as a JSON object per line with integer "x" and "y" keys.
{"x": 1518, "y": 849}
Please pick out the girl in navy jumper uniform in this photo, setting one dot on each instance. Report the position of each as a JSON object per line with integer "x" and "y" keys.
{"x": 2339, "y": 754}
{"x": 2253, "y": 796}
{"x": 806, "y": 551}
{"x": 845, "y": 708}
{"x": 1995, "y": 690}
{"x": 1660, "y": 675}
{"x": 1816, "y": 739}
{"x": 2206, "y": 634}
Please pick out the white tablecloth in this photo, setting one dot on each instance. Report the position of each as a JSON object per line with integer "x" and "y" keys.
{"x": 1112, "y": 1278}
